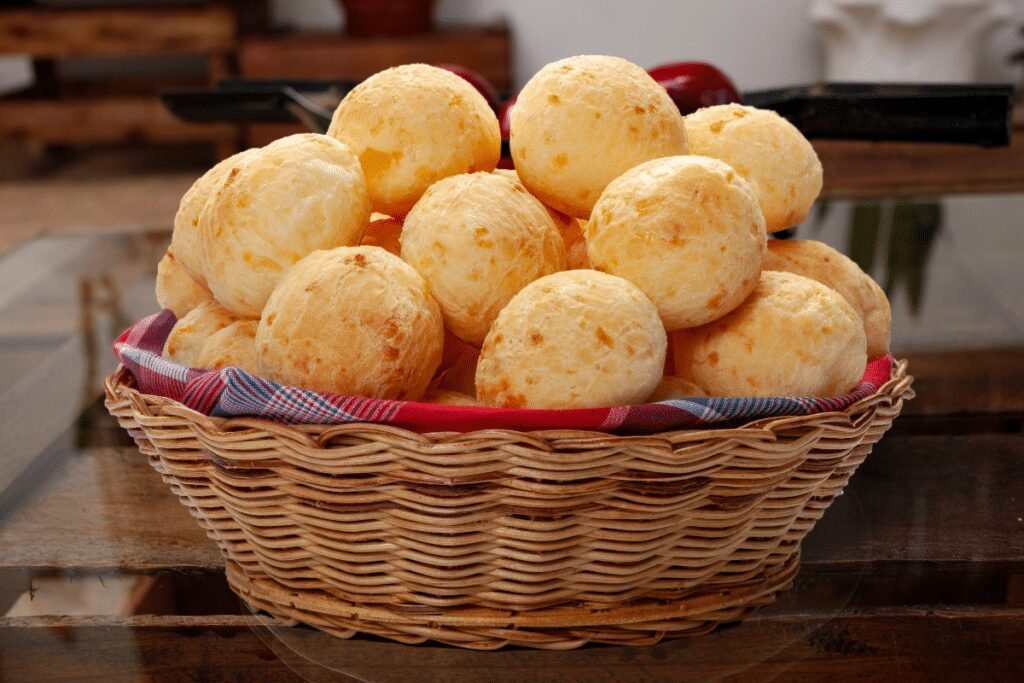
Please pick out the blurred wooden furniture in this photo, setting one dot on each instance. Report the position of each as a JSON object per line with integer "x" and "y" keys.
{"x": 341, "y": 57}
{"x": 115, "y": 111}
{"x": 855, "y": 168}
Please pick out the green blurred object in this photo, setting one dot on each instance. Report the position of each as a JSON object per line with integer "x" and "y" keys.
{"x": 907, "y": 231}
{"x": 912, "y": 233}
{"x": 865, "y": 224}
{"x": 821, "y": 211}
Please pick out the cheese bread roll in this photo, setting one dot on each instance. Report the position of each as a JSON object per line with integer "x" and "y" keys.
{"x": 570, "y": 228}
{"x": 175, "y": 288}
{"x": 767, "y": 150}
{"x": 581, "y": 122}
{"x": 185, "y": 241}
{"x": 574, "y": 339}
{"x": 299, "y": 194}
{"x": 671, "y": 387}
{"x": 233, "y": 346}
{"x": 189, "y": 334}
{"x": 821, "y": 262}
{"x": 413, "y": 125}
{"x": 479, "y": 238}
{"x": 354, "y": 321}
{"x": 449, "y": 398}
{"x": 458, "y": 365}
{"x": 791, "y": 337}
{"x": 687, "y": 231}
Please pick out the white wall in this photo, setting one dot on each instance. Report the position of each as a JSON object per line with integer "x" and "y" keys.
{"x": 1003, "y": 42}
{"x": 15, "y": 73}
{"x": 770, "y": 44}
{"x": 759, "y": 43}
{"x": 307, "y": 14}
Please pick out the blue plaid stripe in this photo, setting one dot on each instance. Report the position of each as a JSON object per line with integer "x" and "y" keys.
{"x": 245, "y": 394}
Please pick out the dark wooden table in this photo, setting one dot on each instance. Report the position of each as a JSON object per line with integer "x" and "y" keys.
{"x": 916, "y": 573}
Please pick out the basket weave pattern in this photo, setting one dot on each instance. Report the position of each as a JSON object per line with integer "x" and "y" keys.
{"x": 544, "y": 539}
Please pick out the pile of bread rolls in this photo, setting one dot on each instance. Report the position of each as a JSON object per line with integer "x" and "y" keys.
{"x": 625, "y": 259}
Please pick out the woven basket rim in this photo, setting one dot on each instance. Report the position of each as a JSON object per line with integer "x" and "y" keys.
{"x": 121, "y": 384}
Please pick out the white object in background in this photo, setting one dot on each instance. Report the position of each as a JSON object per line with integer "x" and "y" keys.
{"x": 15, "y": 73}
{"x": 307, "y": 15}
{"x": 905, "y": 40}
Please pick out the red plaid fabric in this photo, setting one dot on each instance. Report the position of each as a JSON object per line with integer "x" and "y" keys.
{"x": 232, "y": 392}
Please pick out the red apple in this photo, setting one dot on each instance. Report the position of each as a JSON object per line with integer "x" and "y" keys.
{"x": 505, "y": 117}
{"x": 505, "y": 123}
{"x": 693, "y": 85}
{"x": 476, "y": 80}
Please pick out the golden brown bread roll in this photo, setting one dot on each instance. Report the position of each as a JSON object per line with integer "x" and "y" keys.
{"x": 581, "y": 122}
{"x": 478, "y": 238}
{"x": 351, "y": 320}
{"x": 175, "y": 288}
{"x": 821, "y": 262}
{"x": 185, "y": 241}
{"x": 768, "y": 151}
{"x": 574, "y": 339}
{"x": 570, "y": 228}
{"x": 185, "y": 342}
{"x": 413, "y": 125}
{"x": 791, "y": 337}
{"x": 233, "y": 346}
{"x": 298, "y": 194}
{"x": 686, "y": 230}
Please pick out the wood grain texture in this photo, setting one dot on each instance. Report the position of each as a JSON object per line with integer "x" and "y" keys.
{"x": 104, "y": 508}
{"x": 117, "y": 31}
{"x": 136, "y": 203}
{"x": 955, "y": 383}
{"x": 908, "y": 644}
{"x": 916, "y": 644}
{"x": 13, "y": 582}
{"x": 119, "y": 119}
{"x": 26, "y": 437}
{"x": 222, "y": 648}
{"x": 896, "y": 169}
{"x": 930, "y": 499}
{"x": 69, "y": 298}
{"x": 339, "y": 57}
{"x": 823, "y": 585}
{"x": 143, "y": 527}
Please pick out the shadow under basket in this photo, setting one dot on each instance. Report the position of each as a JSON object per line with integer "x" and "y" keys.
{"x": 549, "y": 539}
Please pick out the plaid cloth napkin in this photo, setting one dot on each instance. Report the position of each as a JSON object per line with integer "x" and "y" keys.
{"x": 232, "y": 392}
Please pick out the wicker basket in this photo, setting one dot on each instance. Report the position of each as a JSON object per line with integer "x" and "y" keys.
{"x": 482, "y": 539}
